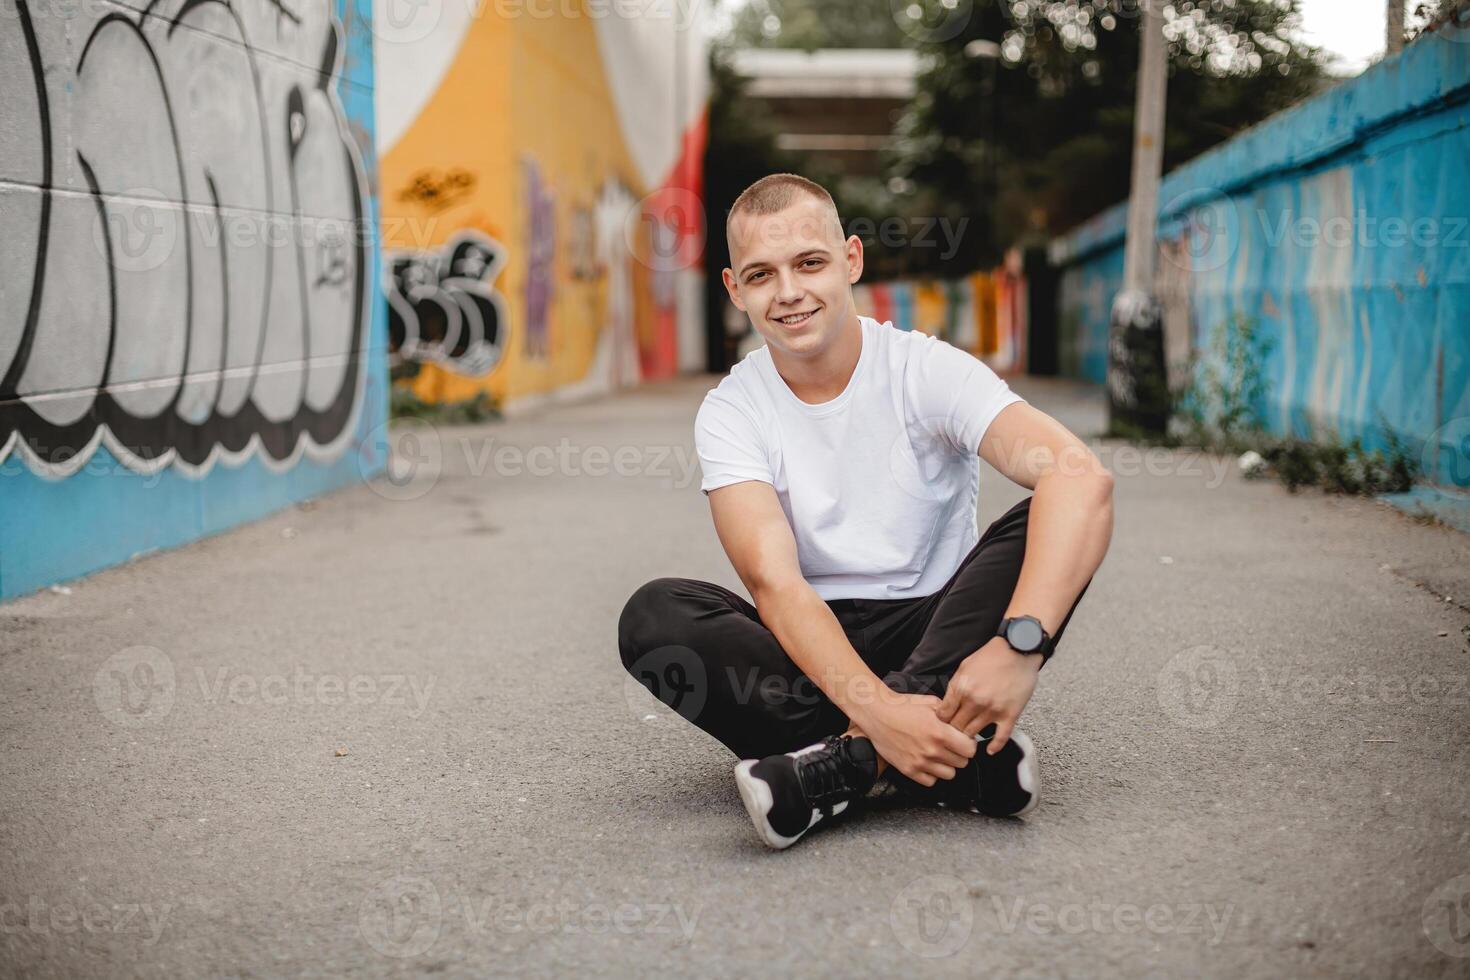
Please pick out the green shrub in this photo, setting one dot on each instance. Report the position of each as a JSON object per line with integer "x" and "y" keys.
{"x": 481, "y": 408}
{"x": 1218, "y": 408}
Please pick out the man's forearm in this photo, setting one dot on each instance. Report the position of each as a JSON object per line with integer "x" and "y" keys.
{"x": 812, "y": 637}
{"x": 906, "y": 732}
{"x": 1068, "y": 530}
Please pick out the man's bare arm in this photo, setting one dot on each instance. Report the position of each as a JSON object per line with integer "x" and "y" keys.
{"x": 1068, "y": 530}
{"x": 905, "y": 729}
{"x": 1071, "y": 520}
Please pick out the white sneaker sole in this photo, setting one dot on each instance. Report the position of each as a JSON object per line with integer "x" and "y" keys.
{"x": 757, "y": 798}
{"x": 1029, "y": 775}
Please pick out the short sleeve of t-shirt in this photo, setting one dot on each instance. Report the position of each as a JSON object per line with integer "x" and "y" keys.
{"x": 729, "y": 445}
{"x": 956, "y": 394}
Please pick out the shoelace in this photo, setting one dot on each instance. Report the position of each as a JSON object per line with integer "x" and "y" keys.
{"x": 824, "y": 774}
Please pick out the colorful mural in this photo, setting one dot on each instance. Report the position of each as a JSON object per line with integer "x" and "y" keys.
{"x": 1342, "y": 228}
{"x": 572, "y": 139}
{"x": 188, "y": 311}
{"x": 984, "y": 313}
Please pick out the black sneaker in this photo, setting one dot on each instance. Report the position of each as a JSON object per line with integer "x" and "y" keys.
{"x": 787, "y": 795}
{"x": 1002, "y": 785}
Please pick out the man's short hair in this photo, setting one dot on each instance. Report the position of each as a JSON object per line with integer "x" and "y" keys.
{"x": 776, "y": 193}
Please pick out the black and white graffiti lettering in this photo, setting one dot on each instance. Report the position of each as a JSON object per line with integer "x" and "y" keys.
{"x": 183, "y": 275}
{"x": 443, "y": 307}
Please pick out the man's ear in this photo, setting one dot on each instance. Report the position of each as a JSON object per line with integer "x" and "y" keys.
{"x": 728, "y": 276}
{"x": 854, "y": 259}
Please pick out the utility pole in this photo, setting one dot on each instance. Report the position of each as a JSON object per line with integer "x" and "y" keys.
{"x": 989, "y": 53}
{"x": 1394, "y": 40}
{"x": 1138, "y": 390}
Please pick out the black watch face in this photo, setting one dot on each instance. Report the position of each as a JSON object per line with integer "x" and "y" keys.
{"x": 1023, "y": 634}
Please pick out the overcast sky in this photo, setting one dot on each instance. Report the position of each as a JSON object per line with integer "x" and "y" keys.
{"x": 1352, "y": 30}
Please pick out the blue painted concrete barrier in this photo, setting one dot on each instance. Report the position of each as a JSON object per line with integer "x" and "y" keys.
{"x": 1342, "y": 228}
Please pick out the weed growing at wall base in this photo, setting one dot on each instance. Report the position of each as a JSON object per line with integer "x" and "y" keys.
{"x": 1336, "y": 468}
{"x": 1218, "y": 409}
{"x": 408, "y": 405}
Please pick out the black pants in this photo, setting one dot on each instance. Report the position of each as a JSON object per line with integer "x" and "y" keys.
{"x": 702, "y": 650}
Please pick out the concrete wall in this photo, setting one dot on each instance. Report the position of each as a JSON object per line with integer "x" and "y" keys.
{"x": 1343, "y": 228}
{"x": 190, "y": 336}
{"x": 541, "y": 195}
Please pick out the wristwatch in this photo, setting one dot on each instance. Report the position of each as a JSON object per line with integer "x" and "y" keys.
{"x": 1025, "y": 635}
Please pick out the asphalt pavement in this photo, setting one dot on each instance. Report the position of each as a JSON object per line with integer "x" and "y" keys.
{"x": 387, "y": 733}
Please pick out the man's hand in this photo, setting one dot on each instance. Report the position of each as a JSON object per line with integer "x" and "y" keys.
{"x": 906, "y": 731}
{"x": 993, "y": 684}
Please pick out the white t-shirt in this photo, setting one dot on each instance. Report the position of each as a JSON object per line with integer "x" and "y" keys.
{"x": 880, "y": 483}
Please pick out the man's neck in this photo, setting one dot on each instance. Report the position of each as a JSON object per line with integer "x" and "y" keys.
{"x": 822, "y": 377}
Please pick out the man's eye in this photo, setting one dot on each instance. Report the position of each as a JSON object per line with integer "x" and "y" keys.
{"x": 812, "y": 262}
{"x": 756, "y": 276}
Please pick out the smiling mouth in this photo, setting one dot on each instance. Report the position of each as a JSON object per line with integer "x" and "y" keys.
{"x": 794, "y": 319}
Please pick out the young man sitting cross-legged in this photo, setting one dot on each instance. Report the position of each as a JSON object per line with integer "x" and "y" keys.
{"x": 890, "y": 647}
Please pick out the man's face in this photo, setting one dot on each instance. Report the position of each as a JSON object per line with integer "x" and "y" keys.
{"x": 792, "y": 273}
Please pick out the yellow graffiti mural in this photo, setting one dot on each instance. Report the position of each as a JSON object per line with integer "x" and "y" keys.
{"x": 527, "y": 143}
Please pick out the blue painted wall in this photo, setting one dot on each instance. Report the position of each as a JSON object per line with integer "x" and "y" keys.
{"x": 138, "y": 411}
{"x": 1342, "y": 226}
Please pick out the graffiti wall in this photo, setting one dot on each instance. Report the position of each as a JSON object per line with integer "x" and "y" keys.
{"x": 556, "y": 150}
{"x": 984, "y": 313}
{"x": 1341, "y": 228}
{"x": 188, "y": 296}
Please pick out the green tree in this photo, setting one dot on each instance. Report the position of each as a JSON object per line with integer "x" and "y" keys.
{"x": 812, "y": 24}
{"x": 1057, "y": 148}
